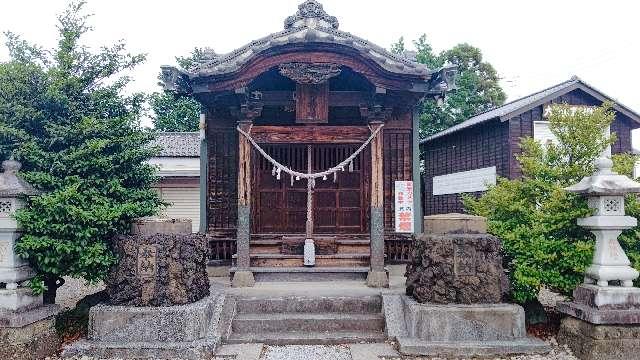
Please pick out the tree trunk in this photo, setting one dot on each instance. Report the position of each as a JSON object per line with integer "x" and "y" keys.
{"x": 52, "y": 283}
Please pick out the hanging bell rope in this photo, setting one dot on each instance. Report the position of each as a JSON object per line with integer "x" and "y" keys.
{"x": 278, "y": 168}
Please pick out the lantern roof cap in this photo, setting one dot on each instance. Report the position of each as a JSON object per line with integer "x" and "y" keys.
{"x": 605, "y": 182}
{"x": 11, "y": 185}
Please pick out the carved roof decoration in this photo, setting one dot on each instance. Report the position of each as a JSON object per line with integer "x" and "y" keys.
{"x": 307, "y": 73}
{"x": 311, "y": 24}
{"x": 310, "y": 10}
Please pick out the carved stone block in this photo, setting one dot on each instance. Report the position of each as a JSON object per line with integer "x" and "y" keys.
{"x": 456, "y": 269}
{"x": 159, "y": 270}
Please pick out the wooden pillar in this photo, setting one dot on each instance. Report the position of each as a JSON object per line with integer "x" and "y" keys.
{"x": 243, "y": 277}
{"x": 204, "y": 174}
{"x": 377, "y": 276}
{"x": 417, "y": 176}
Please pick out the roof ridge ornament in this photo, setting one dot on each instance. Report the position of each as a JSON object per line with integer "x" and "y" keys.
{"x": 311, "y": 13}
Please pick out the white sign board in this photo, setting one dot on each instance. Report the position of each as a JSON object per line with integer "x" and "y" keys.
{"x": 404, "y": 213}
{"x": 464, "y": 182}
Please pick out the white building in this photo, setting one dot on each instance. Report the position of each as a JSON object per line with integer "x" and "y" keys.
{"x": 179, "y": 162}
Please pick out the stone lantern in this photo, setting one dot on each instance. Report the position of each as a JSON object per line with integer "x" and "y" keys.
{"x": 14, "y": 271}
{"x": 27, "y": 328}
{"x": 605, "y": 191}
{"x": 604, "y": 316}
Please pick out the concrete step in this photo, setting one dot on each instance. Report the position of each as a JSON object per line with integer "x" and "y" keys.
{"x": 301, "y": 273}
{"x": 310, "y": 305}
{"x": 308, "y": 338}
{"x": 325, "y": 322}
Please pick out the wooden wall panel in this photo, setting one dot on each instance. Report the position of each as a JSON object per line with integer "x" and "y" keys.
{"x": 312, "y": 103}
{"x": 397, "y": 149}
{"x": 469, "y": 149}
{"x": 222, "y": 199}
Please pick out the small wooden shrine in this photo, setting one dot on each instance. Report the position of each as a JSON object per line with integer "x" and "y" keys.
{"x": 305, "y": 134}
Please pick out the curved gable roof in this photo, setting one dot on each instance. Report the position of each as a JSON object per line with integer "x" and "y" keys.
{"x": 310, "y": 25}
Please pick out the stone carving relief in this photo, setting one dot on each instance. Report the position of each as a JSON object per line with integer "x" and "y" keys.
{"x": 464, "y": 256}
{"x": 4, "y": 254}
{"x": 147, "y": 260}
{"x": 310, "y": 73}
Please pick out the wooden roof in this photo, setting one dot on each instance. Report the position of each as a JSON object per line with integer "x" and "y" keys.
{"x": 310, "y": 29}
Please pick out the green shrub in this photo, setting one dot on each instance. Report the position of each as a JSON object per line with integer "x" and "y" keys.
{"x": 536, "y": 218}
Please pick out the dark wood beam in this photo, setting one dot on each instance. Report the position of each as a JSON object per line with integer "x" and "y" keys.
{"x": 310, "y": 134}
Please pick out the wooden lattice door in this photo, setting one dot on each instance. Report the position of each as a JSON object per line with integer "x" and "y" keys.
{"x": 338, "y": 207}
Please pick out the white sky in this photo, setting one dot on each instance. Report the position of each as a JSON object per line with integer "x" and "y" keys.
{"x": 532, "y": 44}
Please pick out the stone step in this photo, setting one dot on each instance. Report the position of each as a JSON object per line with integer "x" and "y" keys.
{"x": 308, "y": 338}
{"x": 297, "y": 304}
{"x": 324, "y": 322}
{"x": 309, "y": 274}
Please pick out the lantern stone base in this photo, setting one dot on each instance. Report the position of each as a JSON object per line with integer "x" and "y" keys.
{"x": 604, "y": 323}
{"x": 190, "y": 331}
{"x": 20, "y": 299}
{"x": 604, "y": 305}
{"x": 600, "y": 342}
{"x": 29, "y": 334}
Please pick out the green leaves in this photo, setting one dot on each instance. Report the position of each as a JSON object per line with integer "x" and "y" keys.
{"x": 536, "y": 218}
{"x": 478, "y": 85}
{"x": 174, "y": 112}
{"x": 63, "y": 115}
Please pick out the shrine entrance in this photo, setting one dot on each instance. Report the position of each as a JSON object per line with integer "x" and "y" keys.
{"x": 340, "y": 204}
{"x": 306, "y": 134}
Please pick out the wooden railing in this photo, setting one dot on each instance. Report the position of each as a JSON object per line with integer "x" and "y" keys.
{"x": 221, "y": 250}
{"x": 398, "y": 249}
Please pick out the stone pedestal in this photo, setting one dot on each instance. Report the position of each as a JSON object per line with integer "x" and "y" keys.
{"x": 29, "y": 335}
{"x": 455, "y": 286}
{"x": 458, "y": 330}
{"x": 600, "y": 342}
{"x": 604, "y": 323}
{"x": 174, "y": 332}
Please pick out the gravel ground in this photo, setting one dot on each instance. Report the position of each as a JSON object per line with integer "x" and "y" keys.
{"x": 74, "y": 290}
{"x": 549, "y": 299}
{"x": 306, "y": 352}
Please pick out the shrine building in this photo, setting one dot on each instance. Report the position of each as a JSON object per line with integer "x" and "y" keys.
{"x": 309, "y": 140}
